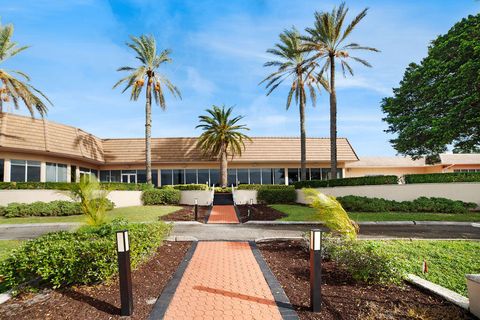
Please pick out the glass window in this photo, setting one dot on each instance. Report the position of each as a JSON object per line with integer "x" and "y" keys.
{"x": 2, "y": 168}
{"x": 73, "y": 173}
{"x": 255, "y": 176}
{"x": 178, "y": 176}
{"x": 155, "y": 177}
{"x": 293, "y": 175}
{"x": 325, "y": 173}
{"x": 104, "y": 175}
{"x": 51, "y": 172}
{"x": 142, "y": 176}
{"x": 339, "y": 173}
{"x": 267, "y": 176}
{"x": 315, "y": 174}
{"x": 279, "y": 176}
{"x": 242, "y": 176}
{"x": 56, "y": 172}
{"x": 23, "y": 170}
{"x": 166, "y": 177}
{"x": 203, "y": 176}
{"x": 115, "y": 176}
{"x": 232, "y": 177}
{"x": 214, "y": 177}
{"x": 190, "y": 176}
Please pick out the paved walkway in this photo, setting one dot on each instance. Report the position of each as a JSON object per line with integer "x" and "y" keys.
{"x": 223, "y": 281}
{"x": 223, "y": 214}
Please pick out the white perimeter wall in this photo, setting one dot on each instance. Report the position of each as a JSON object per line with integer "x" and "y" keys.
{"x": 204, "y": 197}
{"x": 468, "y": 192}
{"x": 244, "y": 196}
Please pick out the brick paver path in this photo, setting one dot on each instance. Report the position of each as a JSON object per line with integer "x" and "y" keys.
{"x": 223, "y": 214}
{"x": 223, "y": 281}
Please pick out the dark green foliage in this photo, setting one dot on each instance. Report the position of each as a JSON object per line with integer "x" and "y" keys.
{"x": 276, "y": 195}
{"x": 443, "y": 177}
{"x": 223, "y": 189}
{"x": 438, "y": 101}
{"x": 68, "y": 186}
{"x": 161, "y": 196}
{"x": 53, "y": 208}
{"x": 263, "y": 186}
{"x": 359, "y": 181}
{"x": 187, "y": 187}
{"x": 83, "y": 257}
{"x": 422, "y": 204}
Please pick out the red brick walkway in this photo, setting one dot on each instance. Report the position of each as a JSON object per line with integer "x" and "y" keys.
{"x": 223, "y": 281}
{"x": 223, "y": 214}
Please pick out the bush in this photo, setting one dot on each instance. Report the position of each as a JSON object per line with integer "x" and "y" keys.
{"x": 84, "y": 257}
{"x": 443, "y": 177}
{"x": 263, "y": 186}
{"x": 422, "y": 204}
{"x": 269, "y": 195}
{"x": 359, "y": 181}
{"x": 54, "y": 208}
{"x": 161, "y": 196}
{"x": 223, "y": 189}
{"x": 187, "y": 187}
{"x": 68, "y": 186}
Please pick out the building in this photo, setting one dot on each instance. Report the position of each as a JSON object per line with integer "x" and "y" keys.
{"x": 44, "y": 151}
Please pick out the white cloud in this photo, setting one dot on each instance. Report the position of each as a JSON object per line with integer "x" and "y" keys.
{"x": 199, "y": 83}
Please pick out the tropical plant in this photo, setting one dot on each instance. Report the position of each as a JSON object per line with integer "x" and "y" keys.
{"x": 325, "y": 41}
{"x": 222, "y": 137}
{"x": 93, "y": 199}
{"x": 291, "y": 65}
{"x": 11, "y": 87}
{"x": 145, "y": 48}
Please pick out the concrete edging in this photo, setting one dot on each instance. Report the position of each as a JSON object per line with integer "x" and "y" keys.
{"x": 366, "y": 223}
{"x": 4, "y": 297}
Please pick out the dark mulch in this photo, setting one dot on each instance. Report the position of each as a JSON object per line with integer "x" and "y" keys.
{"x": 259, "y": 212}
{"x": 343, "y": 298}
{"x": 187, "y": 214}
{"x": 101, "y": 301}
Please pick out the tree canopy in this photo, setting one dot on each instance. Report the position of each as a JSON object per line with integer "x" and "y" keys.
{"x": 437, "y": 104}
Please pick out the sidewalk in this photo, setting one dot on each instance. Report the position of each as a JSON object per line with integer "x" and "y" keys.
{"x": 223, "y": 214}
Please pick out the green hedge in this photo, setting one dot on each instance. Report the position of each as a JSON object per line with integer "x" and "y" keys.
{"x": 188, "y": 187}
{"x": 38, "y": 208}
{"x": 161, "y": 196}
{"x": 422, "y": 204}
{"x": 68, "y": 185}
{"x": 443, "y": 177}
{"x": 83, "y": 257}
{"x": 262, "y": 186}
{"x": 358, "y": 181}
{"x": 276, "y": 195}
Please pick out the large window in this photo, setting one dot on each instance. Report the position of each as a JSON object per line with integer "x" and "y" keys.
{"x": 191, "y": 176}
{"x": 466, "y": 170}
{"x": 242, "y": 176}
{"x": 2, "y": 168}
{"x": 214, "y": 177}
{"x": 255, "y": 176}
{"x": 88, "y": 172}
{"x": 203, "y": 176}
{"x": 279, "y": 176}
{"x": 232, "y": 177}
{"x": 56, "y": 172}
{"x": 25, "y": 170}
{"x": 178, "y": 176}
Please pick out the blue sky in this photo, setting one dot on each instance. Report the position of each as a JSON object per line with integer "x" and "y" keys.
{"x": 218, "y": 51}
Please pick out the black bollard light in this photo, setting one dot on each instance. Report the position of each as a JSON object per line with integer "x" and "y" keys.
{"x": 196, "y": 209}
{"x": 316, "y": 269}
{"x": 125, "y": 274}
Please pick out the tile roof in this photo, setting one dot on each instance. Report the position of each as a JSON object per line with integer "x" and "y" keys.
{"x": 460, "y": 158}
{"x": 366, "y": 162}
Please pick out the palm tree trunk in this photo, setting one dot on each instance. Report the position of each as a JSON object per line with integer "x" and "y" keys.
{"x": 333, "y": 120}
{"x": 303, "y": 144}
{"x": 148, "y": 132}
{"x": 223, "y": 166}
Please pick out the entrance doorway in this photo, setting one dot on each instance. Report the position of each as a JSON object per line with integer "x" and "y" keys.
{"x": 129, "y": 178}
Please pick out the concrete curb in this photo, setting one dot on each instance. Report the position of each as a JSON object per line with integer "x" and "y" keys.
{"x": 195, "y": 223}
{"x": 369, "y": 223}
{"x": 181, "y": 238}
{"x": 4, "y": 297}
{"x": 445, "y": 293}
{"x": 46, "y": 224}
{"x": 269, "y": 239}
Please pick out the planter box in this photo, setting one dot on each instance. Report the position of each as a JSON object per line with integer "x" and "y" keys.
{"x": 473, "y": 285}
{"x": 204, "y": 197}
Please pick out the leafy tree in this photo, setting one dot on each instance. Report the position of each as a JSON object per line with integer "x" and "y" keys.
{"x": 12, "y": 88}
{"x": 145, "y": 48}
{"x": 292, "y": 67}
{"x": 326, "y": 41}
{"x": 438, "y": 101}
{"x": 93, "y": 199}
{"x": 222, "y": 137}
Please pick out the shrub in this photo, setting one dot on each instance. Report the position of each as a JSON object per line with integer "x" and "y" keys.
{"x": 54, "y": 208}
{"x": 263, "y": 186}
{"x": 443, "y": 177}
{"x": 161, "y": 196}
{"x": 68, "y": 186}
{"x": 84, "y": 257}
{"x": 359, "y": 181}
{"x": 269, "y": 195}
{"x": 187, "y": 187}
{"x": 93, "y": 199}
{"x": 223, "y": 189}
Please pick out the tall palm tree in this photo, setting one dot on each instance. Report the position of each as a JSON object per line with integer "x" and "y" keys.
{"x": 222, "y": 137}
{"x": 12, "y": 88}
{"x": 145, "y": 48}
{"x": 326, "y": 41}
{"x": 291, "y": 65}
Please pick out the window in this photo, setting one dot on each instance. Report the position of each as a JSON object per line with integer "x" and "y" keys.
{"x": 242, "y": 176}
{"x": 115, "y": 176}
{"x": 279, "y": 175}
{"x": 203, "y": 176}
{"x": 255, "y": 176}
{"x": 178, "y": 176}
{"x": 267, "y": 176}
{"x": 293, "y": 175}
{"x": 315, "y": 174}
{"x": 73, "y": 173}
{"x": 166, "y": 177}
{"x": 232, "y": 177}
{"x": 466, "y": 170}
{"x": 190, "y": 176}
{"x": 104, "y": 175}
{"x": 2, "y": 167}
{"x": 325, "y": 173}
{"x": 56, "y": 172}
{"x": 214, "y": 177}
{"x": 142, "y": 176}
{"x": 25, "y": 170}
{"x": 88, "y": 172}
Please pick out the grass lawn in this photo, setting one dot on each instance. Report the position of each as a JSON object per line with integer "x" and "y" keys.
{"x": 132, "y": 214}
{"x": 303, "y": 213}
{"x": 8, "y": 245}
{"x": 448, "y": 261}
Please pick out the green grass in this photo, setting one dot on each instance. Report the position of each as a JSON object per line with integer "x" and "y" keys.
{"x": 303, "y": 213}
{"x": 448, "y": 261}
{"x": 6, "y": 246}
{"x": 132, "y": 214}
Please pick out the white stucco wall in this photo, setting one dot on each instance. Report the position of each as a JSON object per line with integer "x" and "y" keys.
{"x": 126, "y": 198}
{"x": 204, "y": 197}
{"x": 244, "y": 196}
{"x": 468, "y": 192}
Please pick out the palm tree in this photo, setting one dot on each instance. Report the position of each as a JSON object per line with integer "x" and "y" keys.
{"x": 146, "y": 49}
{"x": 326, "y": 42}
{"x": 222, "y": 137}
{"x": 291, "y": 64}
{"x": 11, "y": 87}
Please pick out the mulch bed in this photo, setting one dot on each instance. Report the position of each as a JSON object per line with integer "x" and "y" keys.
{"x": 259, "y": 212}
{"x": 343, "y": 298}
{"x": 187, "y": 214}
{"x": 101, "y": 301}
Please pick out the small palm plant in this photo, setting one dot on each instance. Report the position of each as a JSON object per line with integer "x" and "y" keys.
{"x": 325, "y": 41}
{"x": 11, "y": 87}
{"x": 93, "y": 199}
{"x": 145, "y": 48}
{"x": 222, "y": 137}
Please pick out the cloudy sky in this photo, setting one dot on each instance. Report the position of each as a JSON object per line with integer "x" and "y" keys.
{"x": 218, "y": 51}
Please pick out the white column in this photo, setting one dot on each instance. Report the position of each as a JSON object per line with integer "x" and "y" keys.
{"x": 69, "y": 173}
{"x": 286, "y": 176}
{"x": 43, "y": 171}
{"x": 6, "y": 170}
{"x": 77, "y": 173}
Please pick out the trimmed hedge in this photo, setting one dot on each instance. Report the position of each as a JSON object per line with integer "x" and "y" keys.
{"x": 276, "y": 195}
{"x": 188, "y": 187}
{"x": 443, "y": 177}
{"x": 358, "y": 181}
{"x": 83, "y": 257}
{"x": 68, "y": 186}
{"x": 38, "y": 208}
{"x": 422, "y": 204}
{"x": 263, "y": 186}
{"x": 160, "y": 196}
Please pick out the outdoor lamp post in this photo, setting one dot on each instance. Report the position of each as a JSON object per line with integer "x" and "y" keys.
{"x": 315, "y": 269}
{"x": 196, "y": 209}
{"x": 125, "y": 275}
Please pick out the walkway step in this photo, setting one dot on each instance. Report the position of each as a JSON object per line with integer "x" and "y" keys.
{"x": 223, "y": 214}
{"x": 223, "y": 199}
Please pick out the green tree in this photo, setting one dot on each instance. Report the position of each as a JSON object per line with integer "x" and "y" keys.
{"x": 12, "y": 88}
{"x": 145, "y": 48}
{"x": 222, "y": 137}
{"x": 93, "y": 199}
{"x": 291, "y": 66}
{"x": 326, "y": 41}
{"x": 437, "y": 104}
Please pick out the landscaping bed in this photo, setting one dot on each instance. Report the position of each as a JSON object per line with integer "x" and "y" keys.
{"x": 186, "y": 213}
{"x": 101, "y": 301}
{"x": 259, "y": 212}
{"x": 345, "y": 298}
